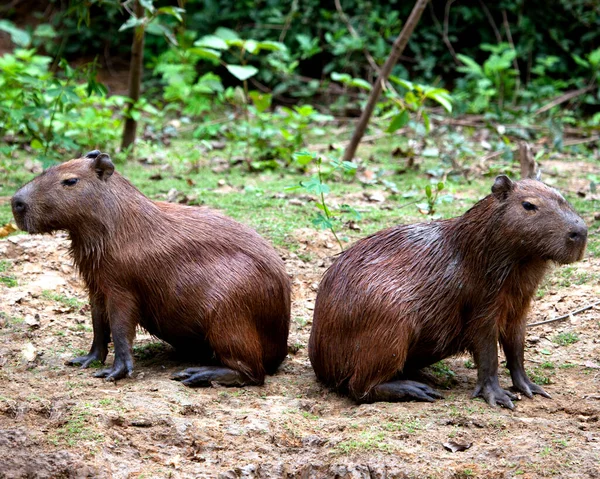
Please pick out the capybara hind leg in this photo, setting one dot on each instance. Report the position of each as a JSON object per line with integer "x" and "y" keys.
{"x": 204, "y": 376}
{"x": 402, "y": 390}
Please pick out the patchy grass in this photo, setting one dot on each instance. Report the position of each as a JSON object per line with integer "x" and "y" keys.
{"x": 68, "y": 301}
{"x": 366, "y": 441}
{"x": 564, "y": 339}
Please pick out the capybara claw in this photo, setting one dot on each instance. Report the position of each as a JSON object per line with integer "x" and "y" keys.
{"x": 113, "y": 374}
{"x": 494, "y": 395}
{"x": 529, "y": 389}
{"x": 83, "y": 361}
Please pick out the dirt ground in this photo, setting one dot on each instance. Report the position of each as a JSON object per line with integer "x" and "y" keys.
{"x": 60, "y": 421}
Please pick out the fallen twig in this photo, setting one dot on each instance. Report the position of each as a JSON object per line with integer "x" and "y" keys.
{"x": 564, "y": 97}
{"x": 565, "y": 316}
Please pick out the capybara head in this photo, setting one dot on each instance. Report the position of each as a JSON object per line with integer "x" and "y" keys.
{"x": 64, "y": 195}
{"x": 537, "y": 221}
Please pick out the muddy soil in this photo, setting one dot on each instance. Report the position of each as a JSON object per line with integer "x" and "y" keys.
{"x": 60, "y": 421}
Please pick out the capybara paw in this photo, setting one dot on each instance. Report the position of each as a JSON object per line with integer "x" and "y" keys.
{"x": 206, "y": 375}
{"x": 495, "y": 395}
{"x": 116, "y": 372}
{"x": 404, "y": 390}
{"x": 84, "y": 361}
{"x": 529, "y": 389}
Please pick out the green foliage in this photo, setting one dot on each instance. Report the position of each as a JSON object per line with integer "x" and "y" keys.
{"x": 400, "y": 104}
{"x": 53, "y": 114}
{"x": 327, "y": 217}
{"x": 565, "y": 339}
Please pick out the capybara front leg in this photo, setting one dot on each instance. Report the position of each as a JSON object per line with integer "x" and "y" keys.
{"x": 402, "y": 390}
{"x": 513, "y": 343}
{"x": 123, "y": 319}
{"x": 204, "y": 376}
{"x": 485, "y": 352}
{"x": 99, "y": 349}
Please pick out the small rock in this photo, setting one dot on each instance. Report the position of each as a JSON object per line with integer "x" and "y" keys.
{"x": 295, "y": 202}
{"x": 374, "y": 196}
{"x": 29, "y": 352}
{"x": 32, "y": 321}
{"x": 221, "y": 182}
{"x": 142, "y": 423}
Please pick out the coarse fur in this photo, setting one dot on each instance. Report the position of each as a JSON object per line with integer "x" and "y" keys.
{"x": 200, "y": 281}
{"x": 411, "y": 295}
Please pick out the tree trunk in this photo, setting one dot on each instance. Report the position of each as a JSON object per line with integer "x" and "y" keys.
{"x": 397, "y": 50}
{"x": 135, "y": 79}
{"x": 527, "y": 161}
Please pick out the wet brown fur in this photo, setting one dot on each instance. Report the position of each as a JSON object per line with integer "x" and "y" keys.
{"x": 411, "y": 295}
{"x": 190, "y": 276}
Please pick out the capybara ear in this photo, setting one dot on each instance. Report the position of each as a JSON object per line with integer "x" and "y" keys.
{"x": 104, "y": 166}
{"x": 92, "y": 154}
{"x": 502, "y": 187}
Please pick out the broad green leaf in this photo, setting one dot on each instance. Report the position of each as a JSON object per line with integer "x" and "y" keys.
{"x": 19, "y": 37}
{"x": 173, "y": 11}
{"x": 398, "y": 121}
{"x": 226, "y": 34}
{"x": 148, "y": 5}
{"x": 242, "y": 72}
{"x": 594, "y": 57}
{"x": 403, "y": 83}
{"x": 206, "y": 53}
{"x": 251, "y": 46}
{"x": 261, "y": 101}
{"x": 471, "y": 65}
{"x": 211, "y": 41}
{"x": 580, "y": 61}
{"x": 303, "y": 158}
{"x": 271, "y": 46}
{"x": 36, "y": 144}
{"x": 44, "y": 30}
{"x": 322, "y": 222}
{"x": 443, "y": 99}
{"x": 131, "y": 23}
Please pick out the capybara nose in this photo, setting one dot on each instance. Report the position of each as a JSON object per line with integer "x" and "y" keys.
{"x": 18, "y": 205}
{"x": 578, "y": 234}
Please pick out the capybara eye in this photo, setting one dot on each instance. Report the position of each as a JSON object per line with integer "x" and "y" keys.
{"x": 70, "y": 181}
{"x": 529, "y": 206}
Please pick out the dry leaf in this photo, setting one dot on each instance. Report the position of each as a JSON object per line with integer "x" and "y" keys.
{"x": 7, "y": 229}
{"x": 454, "y": 446}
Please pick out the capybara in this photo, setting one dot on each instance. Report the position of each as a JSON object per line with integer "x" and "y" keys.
{"x": 409, "y": 296}
{"x": 202, "y": 282}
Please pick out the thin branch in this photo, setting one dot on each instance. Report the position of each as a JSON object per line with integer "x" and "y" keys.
{"x": 491, "y": 20}
{"x": 288, "y": 21}
{"x": 445, "y": 31}
{"x": 565, "y": 316}
{"x": 397, "y": 49}
{"x": 515, "y": 62}
{"x": 564, "y": 97}
{"x": 353, "y": 32}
